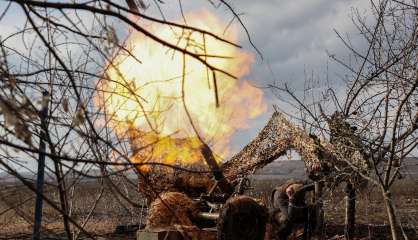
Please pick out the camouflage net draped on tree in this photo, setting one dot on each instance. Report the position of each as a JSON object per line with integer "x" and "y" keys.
{"x": 274, "y": 140}
{"x": 339, "y": 158}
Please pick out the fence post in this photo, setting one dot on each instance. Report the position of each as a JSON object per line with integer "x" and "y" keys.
{"x": 41, "y": 168}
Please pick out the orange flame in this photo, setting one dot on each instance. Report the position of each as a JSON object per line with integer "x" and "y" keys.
{"x": 145, "y": 99}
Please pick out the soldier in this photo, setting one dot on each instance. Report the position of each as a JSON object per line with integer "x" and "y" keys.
{"x": 289, "y": 207}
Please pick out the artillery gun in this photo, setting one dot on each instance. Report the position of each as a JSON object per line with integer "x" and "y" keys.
{"x": 212, "y": 205}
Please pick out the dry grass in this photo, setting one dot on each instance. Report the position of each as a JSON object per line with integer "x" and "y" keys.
{"x": 109, "y": 213}
{"x": 370, "y": 208}
{"x": 16, "y": 220}
{"x": 371, "y": 215}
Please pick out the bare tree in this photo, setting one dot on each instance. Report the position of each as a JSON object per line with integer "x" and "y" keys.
{"x": 382, "y": 98}
{"x": 378, "y": 115}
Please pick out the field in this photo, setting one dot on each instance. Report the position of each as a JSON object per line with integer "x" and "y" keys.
{"x": 371, "y": 218}
{"x": 16, "y": 211}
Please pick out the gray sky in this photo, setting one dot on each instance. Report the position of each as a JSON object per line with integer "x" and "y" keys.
{"x": 294, "y": 37}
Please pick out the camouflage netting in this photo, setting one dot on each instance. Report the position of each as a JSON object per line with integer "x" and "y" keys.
{"x": 274, "y": 140}
{"x": 169, "y": 180}
{"x": 342, "y": 156}
{"x": 171, "y": 208}
{"x": 349, "y": 159}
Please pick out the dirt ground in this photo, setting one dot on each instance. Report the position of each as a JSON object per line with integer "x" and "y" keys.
{"x": 16, "y": 211}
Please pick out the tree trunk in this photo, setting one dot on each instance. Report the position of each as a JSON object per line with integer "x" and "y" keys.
{"x": 350, "y": 212}
{"x": 391, "y": 214}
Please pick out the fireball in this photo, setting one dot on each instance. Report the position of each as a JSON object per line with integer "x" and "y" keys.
{"x": 149, "y": 93}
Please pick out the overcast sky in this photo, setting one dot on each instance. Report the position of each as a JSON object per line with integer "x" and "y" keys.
{"x": 294, "y": 37}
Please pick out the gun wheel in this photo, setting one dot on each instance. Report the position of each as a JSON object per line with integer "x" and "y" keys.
{"x": 242, "y": 218}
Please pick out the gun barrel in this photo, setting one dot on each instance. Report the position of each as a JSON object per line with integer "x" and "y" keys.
{"x": 223, "y": 183}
